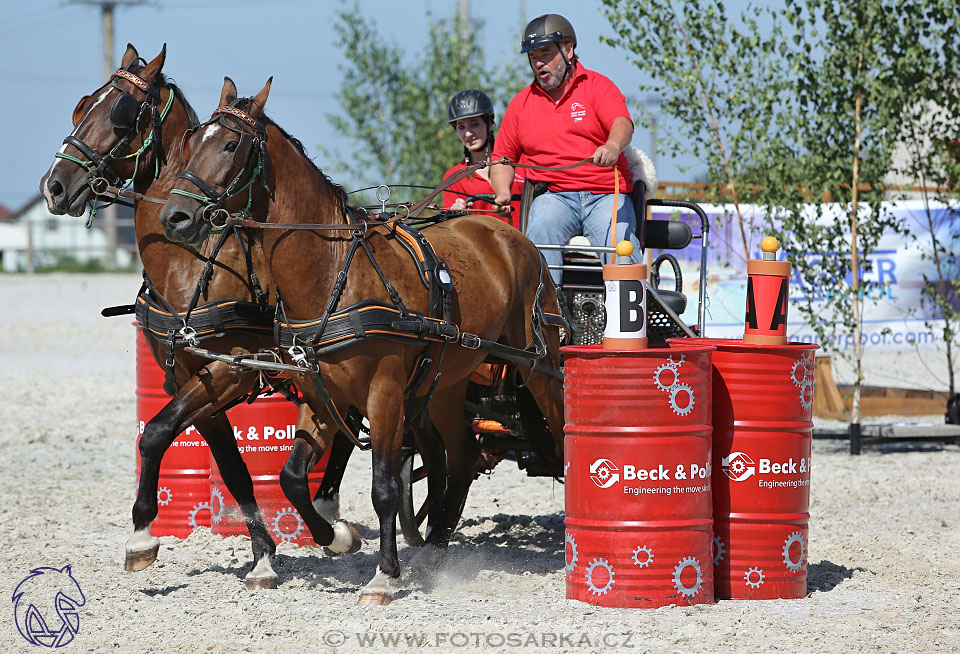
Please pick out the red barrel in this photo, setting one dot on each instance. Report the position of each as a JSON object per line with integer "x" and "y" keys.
{"x": 638, "y": 476}
{"x": 183, "y": 494}
{"x": 762, "y": 429}
{"x": 264, "y": 432}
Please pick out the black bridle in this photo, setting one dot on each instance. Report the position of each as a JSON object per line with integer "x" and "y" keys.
{"x": 248, "y": 158}
{"x": 130, "y": 118}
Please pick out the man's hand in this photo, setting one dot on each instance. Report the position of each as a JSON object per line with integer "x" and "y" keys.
{"x": 502, "y": 200}
{"x": 606, "y": 155}
{"x": 461, "y": 205}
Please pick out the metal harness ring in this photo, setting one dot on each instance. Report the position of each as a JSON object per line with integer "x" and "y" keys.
{"x": 99, "y": 185}
{"x": 210, "y": 214}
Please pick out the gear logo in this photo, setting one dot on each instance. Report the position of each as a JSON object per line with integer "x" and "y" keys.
{"x": 753, "y": 577}
{"x": 203, "y": 506}
{"x": 642, "y": 556}
{"x": 164, "y": 496}
{"x": 608, "y": 570}
{"x": 687, "y": 591}
{"x": 672, "y": 376}
{"x": 287, "y": 535}
{"x": 675, "y": 392}
{"x": 737, "y": 466}
{"x": 794, "y": 566}
{"x": 604, "y": 473}
{"x": 216, "y": 500}
{"x": 802, "y": 376}
{"x": 46, "y": 606}
{"x": 570, "y": 545}
{"x": 718, "y": 550}
{"x": 670, "y": 372}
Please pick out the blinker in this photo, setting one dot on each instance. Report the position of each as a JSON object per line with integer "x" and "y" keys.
{"x": 123, "y": 113}
{"x": 242, "y": 153}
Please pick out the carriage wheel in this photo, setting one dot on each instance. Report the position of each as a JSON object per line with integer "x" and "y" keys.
{"x": 414, "y": 505}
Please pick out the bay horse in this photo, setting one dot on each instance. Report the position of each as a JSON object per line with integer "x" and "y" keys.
{"x": 127, "y": 129}
{"x": 496, "y": 278}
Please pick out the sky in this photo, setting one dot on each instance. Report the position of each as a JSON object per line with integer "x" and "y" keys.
{"x": 51, "y": 54}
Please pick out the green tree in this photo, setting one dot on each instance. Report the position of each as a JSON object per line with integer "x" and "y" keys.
{"x": 856, "y": 77}
{"x": 720, "y": 85}
{"x": 928, "y": 156}
{"x": 393, "y": 98}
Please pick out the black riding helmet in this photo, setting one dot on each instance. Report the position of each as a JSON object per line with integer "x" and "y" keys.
{"x": 544, "y": 30}
{"x": 467, "y": 104}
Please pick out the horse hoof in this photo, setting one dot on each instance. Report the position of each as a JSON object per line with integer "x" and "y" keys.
{"x": 136, "y": 561}
{"x": 346, "y": 540}
{"x": 261, "y": 583}
{"x": 374, "y": 599}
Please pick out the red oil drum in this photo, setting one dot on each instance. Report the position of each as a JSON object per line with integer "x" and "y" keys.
{"x": 637, "y": 452}
{"x": 265, "y": 432}
{"x": 183, "y": 494}
{"x": 762, "y": 429}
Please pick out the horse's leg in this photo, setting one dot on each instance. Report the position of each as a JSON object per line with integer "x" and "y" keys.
{"x": 219, "y": 436}
{"x": 198, "y": 397}
{"x": 385, "y": 412}
{"x": 463, "y": 452}
{"x": 430, "y": 448}
{"x": 339, "y": 537}
{"x": 460, "y": 452}
{"x": 327, "y": 499}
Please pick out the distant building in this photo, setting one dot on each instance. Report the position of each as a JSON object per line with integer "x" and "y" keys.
{"x": 34, "y": 239}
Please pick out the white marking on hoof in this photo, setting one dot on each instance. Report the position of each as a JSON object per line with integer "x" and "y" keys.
{"x": 141, "y": 550}
{"x": 379, "y": 592}
{"x": 262, "y": 576}
{"x": 346, "y": 540}
{"x": 329, "y": 510}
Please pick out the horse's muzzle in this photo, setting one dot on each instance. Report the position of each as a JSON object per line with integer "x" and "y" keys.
{"x": 182, "y": 226}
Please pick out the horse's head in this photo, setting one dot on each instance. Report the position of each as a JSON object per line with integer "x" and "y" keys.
{"x": 110, "y": 127}
{"x": 225, "y": 161}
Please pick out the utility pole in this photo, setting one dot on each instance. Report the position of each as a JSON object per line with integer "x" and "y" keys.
{"x": 109, "y": 213}
{"x": 464, "y": 18}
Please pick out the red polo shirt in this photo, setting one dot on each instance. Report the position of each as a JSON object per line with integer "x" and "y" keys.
{"x": 538, "y": 131}
{"x": 476, "y": 184}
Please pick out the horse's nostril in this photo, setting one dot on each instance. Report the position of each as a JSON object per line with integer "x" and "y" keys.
{"x": 56, "y": 188}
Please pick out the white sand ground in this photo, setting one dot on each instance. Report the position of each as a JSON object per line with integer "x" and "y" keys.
{"x": 884, "y": 535}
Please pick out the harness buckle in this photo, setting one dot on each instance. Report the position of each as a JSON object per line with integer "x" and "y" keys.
{"x": 299, "y": 355}
{"x": 470, "y": 341}
{"x": 189, "y": 334}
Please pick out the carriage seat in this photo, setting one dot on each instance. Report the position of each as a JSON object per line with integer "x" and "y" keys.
{"x": 653, "y": 234}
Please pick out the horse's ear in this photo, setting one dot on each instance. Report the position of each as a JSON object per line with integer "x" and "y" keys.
{"x": 229, "y": 92}
{"x": 129, "y": 56}
{"x": 151, "y": 70}
{"x": 261, "y": 99}
{"x": 78, "y": 110}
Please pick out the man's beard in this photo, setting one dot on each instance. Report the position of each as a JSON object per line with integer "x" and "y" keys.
{"x": 552, "y": 83}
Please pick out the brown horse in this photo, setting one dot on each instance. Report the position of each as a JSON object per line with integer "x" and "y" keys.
{"x": 110, "y": 125}
{"x": 498, "y": 281}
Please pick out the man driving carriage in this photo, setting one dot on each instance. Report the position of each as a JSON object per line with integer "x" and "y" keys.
{"x": 568, "y": 113}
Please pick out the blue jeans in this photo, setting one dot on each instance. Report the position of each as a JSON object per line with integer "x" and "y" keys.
{"x": 556, "y": 217}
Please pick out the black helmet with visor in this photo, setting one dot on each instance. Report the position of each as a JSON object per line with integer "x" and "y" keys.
{"x": 544, "y": 30}
{"x": 468, "y": 104}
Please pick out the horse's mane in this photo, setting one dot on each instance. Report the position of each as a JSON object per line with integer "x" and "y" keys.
{"x": 338, "y": 191}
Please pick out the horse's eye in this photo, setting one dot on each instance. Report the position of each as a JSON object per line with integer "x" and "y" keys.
{"x": 231, "y": 146}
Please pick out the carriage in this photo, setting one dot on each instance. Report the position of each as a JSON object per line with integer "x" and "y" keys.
{"x": 492, "y": 407}
{"x": 314, "y": 236}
